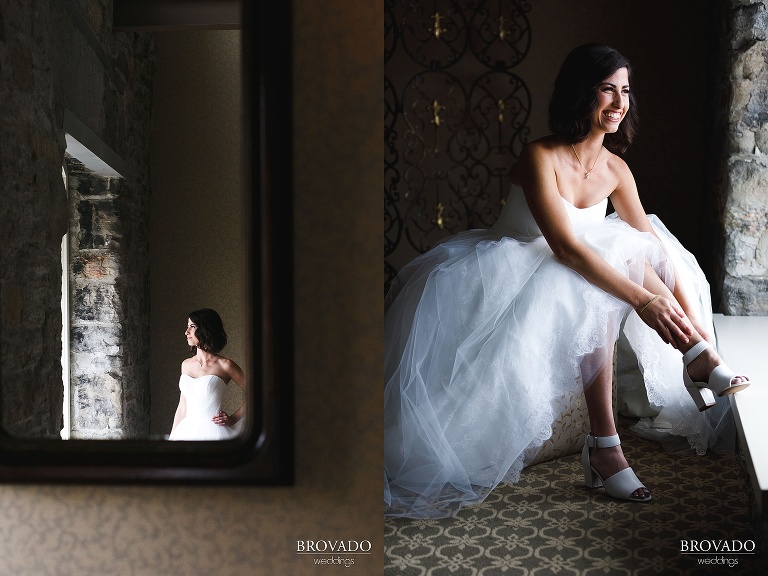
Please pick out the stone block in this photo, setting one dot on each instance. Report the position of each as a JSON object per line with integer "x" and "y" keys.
{"x": 85, "y": 184}
{"x": 101, "y": 265}
{"x": 99, "y": 225}
{"x": 97, "y": 402}
{"x": 91, "y": 363}
{"x": 741, "y": 255}
{"x": 95, "y": 302}
{"x": 96, "y": 339}
{"x": 745, "y": 296}
{"x": 750, "y": 22}
{"x": 746, "y": 218}
{"x": 748, "y": 180}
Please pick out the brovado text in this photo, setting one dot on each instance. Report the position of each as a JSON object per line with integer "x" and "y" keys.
{"x": 708, "y": 546}
{"x": 309, "y": 546}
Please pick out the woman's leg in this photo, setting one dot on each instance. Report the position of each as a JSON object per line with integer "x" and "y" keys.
{"x": 599, "y": 398}
{"x": 599, "y": 395}
{"x": 701, "y": 367}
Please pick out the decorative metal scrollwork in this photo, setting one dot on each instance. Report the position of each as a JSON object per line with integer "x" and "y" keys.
{"x": 501, "y": 35}
{"x": 433, "y": 33}
{"x": 390, "y": 29}
{"x": 455, "y": 118}
{"x": 393, "y": 221}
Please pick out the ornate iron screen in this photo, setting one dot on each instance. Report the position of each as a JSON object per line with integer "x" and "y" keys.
{"x": 455, "y": 118}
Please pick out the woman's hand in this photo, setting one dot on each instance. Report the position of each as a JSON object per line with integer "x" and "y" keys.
{"x": 700, "y": 329}
{"x": 669, "y": 320}
{"x": 221, "y": 418}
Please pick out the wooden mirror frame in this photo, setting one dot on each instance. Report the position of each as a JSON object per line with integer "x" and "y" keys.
{"x": 264, "y": 454}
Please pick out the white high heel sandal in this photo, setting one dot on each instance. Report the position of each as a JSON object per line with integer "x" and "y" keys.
{"x": 622, "y": 484}
{"x": 720, "y": 380}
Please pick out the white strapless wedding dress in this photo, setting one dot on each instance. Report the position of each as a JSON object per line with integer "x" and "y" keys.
{"x": 203, "y": 396}
{"x": 487, "y": 330}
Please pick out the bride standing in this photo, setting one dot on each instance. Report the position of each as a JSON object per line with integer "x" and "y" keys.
{"x": 487, "y": 330}
{"x": 204, "y": 378}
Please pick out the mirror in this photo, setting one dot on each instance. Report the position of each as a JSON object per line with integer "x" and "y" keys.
{"x": 216, "y": 220}
{"x": 197, "y": 255}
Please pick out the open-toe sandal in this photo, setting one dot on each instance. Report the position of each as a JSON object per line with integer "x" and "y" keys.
{"x": 721, "y": 380}
{"x": 622, "y": 484}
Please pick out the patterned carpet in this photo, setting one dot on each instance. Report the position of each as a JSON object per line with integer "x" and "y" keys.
{"x": 550, "y": 524}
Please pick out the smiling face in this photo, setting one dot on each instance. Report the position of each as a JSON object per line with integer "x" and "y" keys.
{"x": 612, "y": 102}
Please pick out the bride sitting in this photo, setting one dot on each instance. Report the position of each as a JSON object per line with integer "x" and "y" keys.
{"x": 487, "y": 329}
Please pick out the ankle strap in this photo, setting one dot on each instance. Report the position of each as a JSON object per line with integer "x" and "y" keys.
{"x": 694, "y": 352}
{"x": 602, "y": 441}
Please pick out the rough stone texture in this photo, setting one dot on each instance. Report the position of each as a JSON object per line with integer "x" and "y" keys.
{"x": 106, "y": 254}
{"x": 743, "y": 196}
{"x": 747, "y": 295}
{"x": 47, "y": 66}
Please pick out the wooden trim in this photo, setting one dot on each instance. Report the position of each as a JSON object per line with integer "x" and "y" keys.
{"x": 160, "y": 15}
{"x": 264, "y": 455}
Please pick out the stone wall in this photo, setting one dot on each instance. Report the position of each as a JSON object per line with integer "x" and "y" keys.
{"x": 743, "y": 192}
{"x": 108, "y": 306}
{"x": 60, "y": 55}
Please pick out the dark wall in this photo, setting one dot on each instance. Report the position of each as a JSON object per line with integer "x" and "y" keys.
{"x": 197, "y": 248}
{"x": 669, "y": 47}
{"x": 673, "y": 48}
{"x": 56, "y": 56}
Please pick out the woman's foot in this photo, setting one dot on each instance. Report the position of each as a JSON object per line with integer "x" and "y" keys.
{"x": 609, "y": 461}
{"x": 705, "y": 374}
{"x": 702, "y": 366}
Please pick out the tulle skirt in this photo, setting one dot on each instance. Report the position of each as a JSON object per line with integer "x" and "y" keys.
{"x": 485, "y": 333}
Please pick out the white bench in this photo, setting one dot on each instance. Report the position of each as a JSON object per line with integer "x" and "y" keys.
{"x": 743, "y": 344}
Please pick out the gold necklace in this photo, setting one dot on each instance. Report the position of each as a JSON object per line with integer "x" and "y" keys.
{"x": 586, "y": 172}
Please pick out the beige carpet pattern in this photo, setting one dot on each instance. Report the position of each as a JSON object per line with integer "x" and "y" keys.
{"x": 549, "y": 523}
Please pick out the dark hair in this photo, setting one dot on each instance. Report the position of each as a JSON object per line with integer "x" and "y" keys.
{"x": 209, "y": 330}
{"x": 574, "y": 97}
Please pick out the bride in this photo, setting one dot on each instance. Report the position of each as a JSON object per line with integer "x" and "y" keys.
{"x": 203, "y": 381}
{"x": 486, "y": 330}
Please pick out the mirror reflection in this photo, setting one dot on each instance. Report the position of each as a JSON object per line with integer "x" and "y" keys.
{"x": 200, "y": 414}
{"x": 196, "y": 242}
{"x": 150, "y": 221}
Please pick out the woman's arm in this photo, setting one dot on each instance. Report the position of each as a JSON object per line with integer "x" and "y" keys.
{"x": 626, "y": 201}
{"x": 235, "y": 373}
{"x": 539, "y": 183}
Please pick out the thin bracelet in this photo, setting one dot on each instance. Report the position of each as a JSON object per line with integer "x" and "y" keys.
{"x": 649, "y": 303}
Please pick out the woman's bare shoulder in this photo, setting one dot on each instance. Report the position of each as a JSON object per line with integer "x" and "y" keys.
{"x": 188, "y": 365}
{"x": 227, "y": 364}
{"x": 619, "y": 168}
{"x": 533, "y": 156}
{"x": 232, "y": 370}
{"x": 543, "y": 145}
{"x": 616, "y": 162}
{"x": 537, "y": 150}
